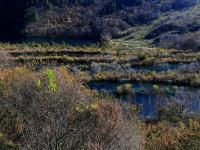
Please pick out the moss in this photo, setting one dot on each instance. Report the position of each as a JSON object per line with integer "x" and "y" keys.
{"x": 155, "y": 88}
{"x": 174, "y": 89}
{"x": 125, "y": 89}
{"x": 128, "y": 88}
{"x": 119, "y": 90}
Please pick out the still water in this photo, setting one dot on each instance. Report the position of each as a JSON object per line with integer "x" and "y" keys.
{"x": 149, "y": 101}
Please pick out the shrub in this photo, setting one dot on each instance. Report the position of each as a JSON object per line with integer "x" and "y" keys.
{"x": 166, "y": 136}
{"x": 172, "y": 112}
{"x": 174, "y": 89}
{"x": 124, "y": 89}
{"x": 142, "y": 57}
{"x": 155, "y": 88}
{"x": 70, "y": 117}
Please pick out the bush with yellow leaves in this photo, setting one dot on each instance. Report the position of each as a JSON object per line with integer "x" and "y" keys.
{"x": 51, "y": 110}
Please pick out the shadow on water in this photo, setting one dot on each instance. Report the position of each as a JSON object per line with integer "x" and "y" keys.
{"x": 57, "y": 53}
{"x": 44, "y": 40}
{"x": 149, "y": 101}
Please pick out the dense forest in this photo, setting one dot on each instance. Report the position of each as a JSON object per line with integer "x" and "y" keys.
{"x": 91, "y": 19}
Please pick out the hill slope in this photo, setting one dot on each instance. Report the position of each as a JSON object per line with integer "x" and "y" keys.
{"x": 178, "y": 30}
{"x": 101, "y": 19}
{"x": 98, "y": 19}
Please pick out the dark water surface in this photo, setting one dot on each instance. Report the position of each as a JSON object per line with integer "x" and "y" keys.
{"x": 149, "y": 101}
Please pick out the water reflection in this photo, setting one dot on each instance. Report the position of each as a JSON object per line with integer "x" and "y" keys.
{"x": 149, "y": 101}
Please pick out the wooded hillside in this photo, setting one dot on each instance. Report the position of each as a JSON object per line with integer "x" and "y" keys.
{"x": 88, "y": 19}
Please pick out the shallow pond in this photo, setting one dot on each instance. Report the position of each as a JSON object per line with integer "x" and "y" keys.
{"x": 149, "y": 101}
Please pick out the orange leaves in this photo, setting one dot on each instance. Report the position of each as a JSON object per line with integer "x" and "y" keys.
{"x": 167, "y": 136}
